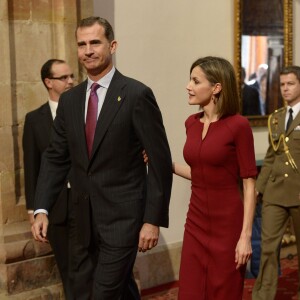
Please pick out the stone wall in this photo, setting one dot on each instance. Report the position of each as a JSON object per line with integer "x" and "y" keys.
{"x": 31, "y": 32}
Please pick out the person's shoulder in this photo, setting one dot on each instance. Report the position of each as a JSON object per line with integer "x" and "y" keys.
{"x": 237, "y": 119}
{"x": 77, "y": 92}
{"x": 248, "y": 89}
{"x": 277, "y": 112}
{"x": 76, "y": 89}
{"x": 136, "y": 83}
{"x": 132, "y": 82}
{"x": 192, "y": 119}
{"x": 31, "y": 115}
{"x": 236, "y": 122}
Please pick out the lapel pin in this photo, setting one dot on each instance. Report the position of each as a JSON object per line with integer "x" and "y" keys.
{"x": 119, "y": 99}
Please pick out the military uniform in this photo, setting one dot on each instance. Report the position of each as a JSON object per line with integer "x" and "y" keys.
{"x": 279, "y": 182}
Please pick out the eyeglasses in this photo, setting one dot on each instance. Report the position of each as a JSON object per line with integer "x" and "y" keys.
{"x": 63, "y": 77}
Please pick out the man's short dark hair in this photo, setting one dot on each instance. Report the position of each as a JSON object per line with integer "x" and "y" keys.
{"x": 291, "y": 69}
{"x": 90, "y": 21}
{"x": 46, "y": 70}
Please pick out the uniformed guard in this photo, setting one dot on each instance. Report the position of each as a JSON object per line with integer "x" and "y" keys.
{"x": 279, "y": 183}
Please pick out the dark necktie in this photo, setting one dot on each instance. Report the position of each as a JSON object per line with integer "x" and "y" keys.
{"x": 290, "y": 119}
{"x": 91, "y": 117}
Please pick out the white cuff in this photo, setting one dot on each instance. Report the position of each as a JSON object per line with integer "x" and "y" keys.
{"x": 40, "y": 210}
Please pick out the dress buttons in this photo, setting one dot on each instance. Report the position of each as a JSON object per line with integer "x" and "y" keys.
{"x": 286, "y": 175}
{"x": 286, "y": 163}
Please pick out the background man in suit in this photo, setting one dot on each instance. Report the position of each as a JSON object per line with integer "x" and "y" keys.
{"x": 250, "y": 98}
{"x": 101, "y": 128}
{"x": 259, "y": 82}
{"x": 279, "y": 182}
{"x": 57, "y": 77}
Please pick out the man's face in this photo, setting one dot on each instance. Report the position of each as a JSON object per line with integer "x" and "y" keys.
{"x": 290, "y": 88}
{"x": 94, "y": 50}
{"x": 62, "y": 79}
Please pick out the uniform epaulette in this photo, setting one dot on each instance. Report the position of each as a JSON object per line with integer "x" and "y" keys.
{"x": 278, "y": 110}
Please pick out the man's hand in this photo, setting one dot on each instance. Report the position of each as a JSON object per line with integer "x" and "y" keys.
{"x": 148, "y": 237}
{"x": 39, "y": 227}
{"x": 145, "y": 157}
{"x": 258, "y": 196}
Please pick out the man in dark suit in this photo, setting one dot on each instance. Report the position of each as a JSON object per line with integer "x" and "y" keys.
{"x": 57, "y": 77}
{"x": 250, "y": 98}
{"x": 279, "y": 183}
{"x": 101, "y": 129}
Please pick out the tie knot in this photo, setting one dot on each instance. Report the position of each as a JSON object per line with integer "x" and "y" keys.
{"x": 94, "y": 87}
{"x": 291, "y": 111}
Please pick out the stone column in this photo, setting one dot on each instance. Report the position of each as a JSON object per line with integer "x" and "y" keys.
{"x": 31, "y": 32}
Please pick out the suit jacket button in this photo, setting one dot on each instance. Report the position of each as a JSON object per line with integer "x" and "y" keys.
{"x": 287, "y": 163}
{"x": 287, "y": 139}
{"x": 286, "y": 175}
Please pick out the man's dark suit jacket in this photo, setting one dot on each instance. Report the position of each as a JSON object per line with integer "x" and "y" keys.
{"x": 36, "y": 138}
{"x": 113, "y": 184}
{"x": 250, "y": 101}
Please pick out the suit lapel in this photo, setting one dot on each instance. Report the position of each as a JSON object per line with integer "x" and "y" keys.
{"x": 113, "y": 100}
{"x": 79, "y": 109}
{"x": 46, "y": 117}
{"x": 295, "y": 122}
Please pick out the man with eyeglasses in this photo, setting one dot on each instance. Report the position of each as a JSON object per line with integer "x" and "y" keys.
{"x": 57, "y": 77}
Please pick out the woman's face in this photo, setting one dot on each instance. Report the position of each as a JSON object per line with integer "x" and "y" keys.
{"x": 200, "y": 90}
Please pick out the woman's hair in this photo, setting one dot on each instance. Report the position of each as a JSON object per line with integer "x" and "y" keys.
{"x": 219, "y": 70}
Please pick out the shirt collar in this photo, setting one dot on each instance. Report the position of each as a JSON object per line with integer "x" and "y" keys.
{"x": 53, "y": 106}
{"x": 295, "y": 108}
{"x": 104, "y": 81}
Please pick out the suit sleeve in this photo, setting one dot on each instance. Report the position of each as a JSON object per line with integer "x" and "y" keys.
{"x": 265, "y": 170}
{"x": 55, "y": 164}
{"x": 149, "y": 127}
{"x": 32, "y": 161}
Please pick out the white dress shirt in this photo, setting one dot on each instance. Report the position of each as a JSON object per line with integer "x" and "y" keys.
{"x": 104, "y": 83}
{"x": 53, "y": 107}
{"x": 295, "y": 108}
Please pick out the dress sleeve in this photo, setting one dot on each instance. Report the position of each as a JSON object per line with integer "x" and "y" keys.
{"x": 245, "y": 148}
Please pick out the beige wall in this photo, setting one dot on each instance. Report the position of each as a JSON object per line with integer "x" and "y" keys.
{"x": 158, "y": 41}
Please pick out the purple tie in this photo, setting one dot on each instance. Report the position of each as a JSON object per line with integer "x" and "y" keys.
{"x": 91, "y": 117}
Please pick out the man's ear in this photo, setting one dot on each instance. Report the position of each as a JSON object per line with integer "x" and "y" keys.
{"x": 217, "y": 88}
{"x": 113, "y": 46}
{"x": 48, "y": 83}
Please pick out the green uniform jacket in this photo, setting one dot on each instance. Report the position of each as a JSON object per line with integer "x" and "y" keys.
{"x": 277, "y": 181}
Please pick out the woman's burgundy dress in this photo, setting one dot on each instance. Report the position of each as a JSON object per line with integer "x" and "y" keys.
{"x": 215, "y": 216}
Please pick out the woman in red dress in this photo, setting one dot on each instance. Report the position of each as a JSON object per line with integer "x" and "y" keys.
{"x": 219, "y": 150}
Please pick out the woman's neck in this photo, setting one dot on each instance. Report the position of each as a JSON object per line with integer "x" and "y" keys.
{"x": 209, "y": 115}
